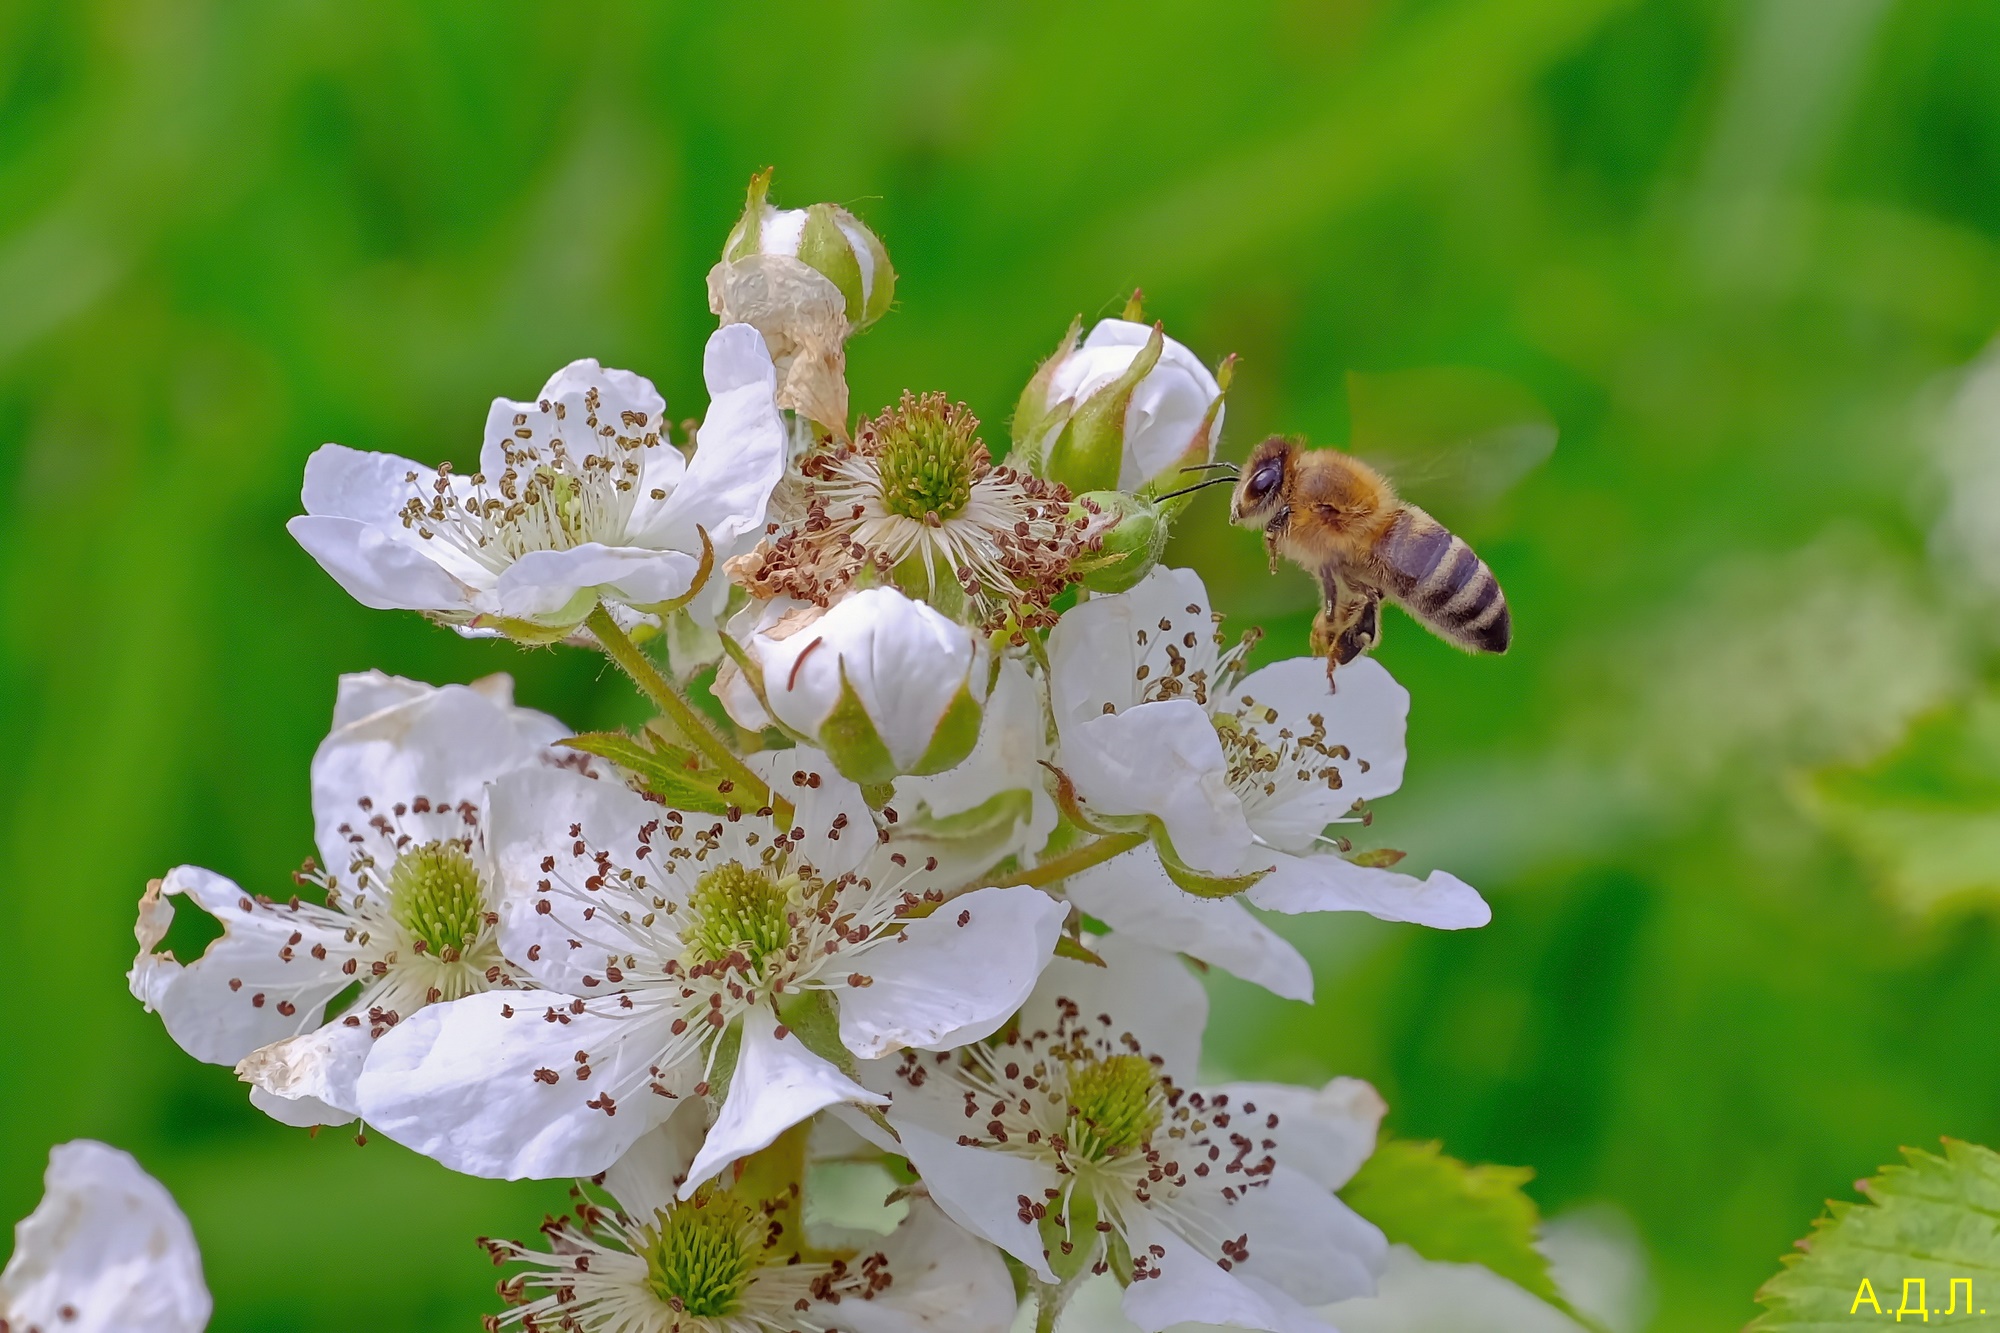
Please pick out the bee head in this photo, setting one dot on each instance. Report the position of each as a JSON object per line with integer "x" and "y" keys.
{"x": 1261, "y": 486}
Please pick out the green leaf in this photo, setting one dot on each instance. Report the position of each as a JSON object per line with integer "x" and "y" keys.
{"x": 668, "y": 771}
{"x": 1933, "y": 1219}
{"x": 1926, "y": 816}
{"x": 1451, "y": 1212}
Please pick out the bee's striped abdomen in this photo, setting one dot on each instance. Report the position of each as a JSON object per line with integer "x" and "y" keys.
{"x": 1436, "y": 578}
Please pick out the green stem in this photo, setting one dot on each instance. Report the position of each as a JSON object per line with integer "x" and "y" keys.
{"x": 687, "y": 719}
{"x": 1071, "y": 861}
{"x": 1048, "y": 1305}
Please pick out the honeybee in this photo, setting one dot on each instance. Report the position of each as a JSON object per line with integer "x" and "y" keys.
{"x": 1338, "y": 518}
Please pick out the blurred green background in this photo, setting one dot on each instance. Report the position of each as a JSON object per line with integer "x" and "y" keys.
{"x": 1739, "y": 251}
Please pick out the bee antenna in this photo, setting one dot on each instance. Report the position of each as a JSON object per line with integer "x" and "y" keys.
{"x": 1211, "y": 467}
{"x": 1212, "y": 481}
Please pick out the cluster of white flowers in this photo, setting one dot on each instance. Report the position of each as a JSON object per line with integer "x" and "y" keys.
{"x": 912, "y": 894}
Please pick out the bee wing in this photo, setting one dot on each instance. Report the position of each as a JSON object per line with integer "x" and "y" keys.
{"x": 1452, "y": 437}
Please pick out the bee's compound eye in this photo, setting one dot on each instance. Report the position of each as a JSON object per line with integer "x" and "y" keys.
{"x": 1264, "y": 480}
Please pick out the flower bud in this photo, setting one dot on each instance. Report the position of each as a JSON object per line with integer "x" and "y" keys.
{"x": 1127, "y": 537}
{"x": 827, "y": 239}
{"x": 1126, "y": 409}
{"x": 885, "y": 685}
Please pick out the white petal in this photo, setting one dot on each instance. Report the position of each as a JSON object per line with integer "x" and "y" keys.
{"x": 1148, "y": 993}
{"x": 1328, "y": 882}
{"x": 445, "y": 743}
{"x": 543, "y": 583}
{"x": 740, "y": 453}
{"x": 976, "y": 1188}
{"x": 106, "y": 1251}
{"x": 211, "y": 1019}
{"x": 351, "y": 483}
{"x": 946, "y": 1282}
{"x": 360, "y": 693}
{"x": 377, "y": 570}
{"x": 619, "y": 391}
{"x": 1192, "y": 1289}
{"x": 1095, "y": 651}
{"x": 299, "y": 1112}
{"x": 457, "y": 1082}
{"x": 777, "y": 1083}
{"x": 317, "y": 1067}
{"x": 1324, "y": 1133}
{"x": 1303, "y": 1241}
{"x": 1163, "y": 759}
{"x": 952, "y": 977}
{"x": 1368, "y": 714}
{"x": 1132, "y": 895}
{"x": 833, "y": 847}
{"x": 645, "y": 1178}
{"x": 530, "y": 813}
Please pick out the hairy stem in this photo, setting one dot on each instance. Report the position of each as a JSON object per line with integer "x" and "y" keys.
{"x": 698, "y": 730}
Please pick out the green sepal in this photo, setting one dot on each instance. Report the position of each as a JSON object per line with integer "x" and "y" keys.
{"x": 1069, "y": 947}
{"x": 1377, "y": 858}
{"x": 1089, "y": 450}
{"x": 1450, "y": 1212}
{"x": 695, "y": 585}
{"x": 882, "y": 289}
{"x": 540, "y": 633}
{"x": 722, "y": 1067}
{"x": 1197, "y": 882}
{"x": 825, "y": 248}
{"x": 748, "y": 234}
{"x": 814, "y": 1018}
{"x": 1081, "y": 1232}
{"x": 1089, "y": 821}
{"x": 849, "y": 737}
{"x": 957, "y": 732}
{"x": 1126, "y": 548}
{"x": 670, "y": 772}
{"x": 1034, "y": 415}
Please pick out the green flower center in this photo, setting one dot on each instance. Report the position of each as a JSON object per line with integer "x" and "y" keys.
{"x": 1115, "y": 1102}
{"x": 736, "y": 909}
{"x": 436, "y": 895}
{"x": 700, "y": 1255}
{"x": 560, "y": 493}
{"x": 928, "y": 454}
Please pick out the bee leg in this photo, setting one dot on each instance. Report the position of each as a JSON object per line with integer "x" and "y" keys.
{"x": 1273, "y": 531}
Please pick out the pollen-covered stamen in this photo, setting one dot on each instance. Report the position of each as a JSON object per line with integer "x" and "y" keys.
{"x": 917, "y": 501}
{"x": 563, "y": 483}
{"x": 738, "y": 909}
{"x": 435, "y": 893}
{"x": 1268, "y": 766}
{"x": 712, "y": 1264}
{"x": 1089, "y": 1101}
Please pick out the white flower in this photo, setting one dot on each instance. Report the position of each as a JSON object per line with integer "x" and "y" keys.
{"x": 579, "y": 497}
{"x": 399, "y": 815}
{"x": 1080, "y": 1144}
{"x": 883, "y": 684}
{"x": 106, "y": 1251}
{"x": 916, "y": 501}
{"x": 1127, "y": 408}
{"x": 680, "y": 942}
{"x": 724, "y": 1261}
{"x": 1243, "y": 775}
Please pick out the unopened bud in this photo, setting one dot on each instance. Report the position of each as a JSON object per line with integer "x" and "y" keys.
{"x": 827, "y": 239}
{"x": 1123, "y": 410}
{"x": 1127, "y": 536}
